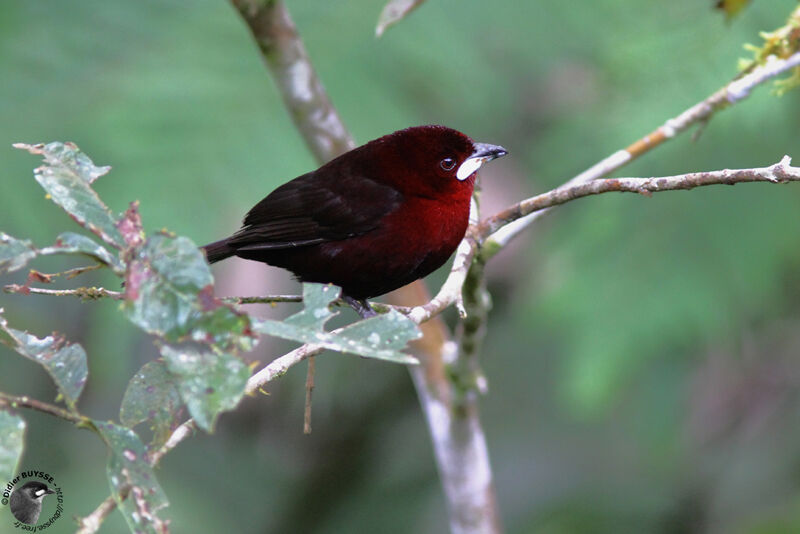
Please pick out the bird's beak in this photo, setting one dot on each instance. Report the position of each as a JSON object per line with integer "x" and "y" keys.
{"x": 483, "y": 152}
{"x": 49, "y": 492}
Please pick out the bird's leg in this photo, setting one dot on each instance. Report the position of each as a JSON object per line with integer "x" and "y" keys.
{"x": 361, "y": 306}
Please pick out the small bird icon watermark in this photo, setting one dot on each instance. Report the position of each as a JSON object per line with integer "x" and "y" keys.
{"x": 26, "y": 501}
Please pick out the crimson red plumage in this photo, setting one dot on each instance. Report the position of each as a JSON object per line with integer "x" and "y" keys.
{"x": 372, "y": 220}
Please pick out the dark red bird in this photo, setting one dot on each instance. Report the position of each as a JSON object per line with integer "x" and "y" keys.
{"x": 372, "y": 220}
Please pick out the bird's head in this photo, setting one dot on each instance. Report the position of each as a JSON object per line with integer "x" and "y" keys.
{"x": 35, "y": 490}
{"x": 433, "y": 161}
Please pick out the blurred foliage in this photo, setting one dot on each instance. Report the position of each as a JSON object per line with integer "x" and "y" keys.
{"x": 64, "y": 362}
{"x": 132, "y": 480}
{"x": 152, "y": 397}
{"x": 732, "y": 7}
{"x": 12, "y": 434}
{"x": 642, "y": 352}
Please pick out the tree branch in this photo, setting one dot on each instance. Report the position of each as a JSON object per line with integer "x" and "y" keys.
{"x": 13, "y": 401}
{"x": 83, "y": 293}
{"x": 781, "y": 172}
{"x": 267, "y": 299}
{"x": 303, "y": 94}
{"x": 731, "y": 93}
{"x": 91, "y": 523}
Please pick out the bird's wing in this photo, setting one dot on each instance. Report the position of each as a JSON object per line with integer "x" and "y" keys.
{"x": 311, "y": 209}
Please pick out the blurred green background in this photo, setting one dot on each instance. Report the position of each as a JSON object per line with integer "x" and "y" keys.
{"x": 643, "y": 354}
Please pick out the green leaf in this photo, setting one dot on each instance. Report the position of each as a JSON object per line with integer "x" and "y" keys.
{"x": 72, "y": 243}
{"x": 66, "y": 176}
{"x": 14, "y": 253}
{"x": 393, "y": 12}
{"x": 64, "y": 362}
{"x": 316, "y": 310}
{"x": 306, "y": 326}
{"x": 162, "y": 284}
{"x": 209, "y": 383}
{"x": 12, "y": 440}
{"x": 133, "y": 483}
{"x": 169, "y": 293}
{"x": 152, "y": 396}
{"x": 380, "y": 337}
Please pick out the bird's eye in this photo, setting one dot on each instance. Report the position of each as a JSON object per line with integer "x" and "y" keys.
{"x": 447, "y": 164}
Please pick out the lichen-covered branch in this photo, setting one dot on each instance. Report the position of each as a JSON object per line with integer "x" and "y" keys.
{"x": 91, "y": 523}
{"x": 13, "y": 401}
{"x": 83, "y": 293}
{"x": 781, "y": 172}
{"x": 699, "y": 113}
{"x": 302, "y": 92}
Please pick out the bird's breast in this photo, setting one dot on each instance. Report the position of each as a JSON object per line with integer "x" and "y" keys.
{"x": 406, "y": 244}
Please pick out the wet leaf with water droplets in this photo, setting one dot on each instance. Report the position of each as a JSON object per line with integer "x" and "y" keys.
{"x": 132, "y": 480}
{"x": 152, "y": 396}
{"x": 14, "y": 253}
{"x": 381, "y": 337}
{"x": 169, "y": 293}
{"x": 209, "y": 383}
{"x": 66, "y": 176}
{"x": 64, "y": 362}
{"x": 72, "y": 243}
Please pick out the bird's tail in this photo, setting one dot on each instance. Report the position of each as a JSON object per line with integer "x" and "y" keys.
{"x": 218, "y": 250}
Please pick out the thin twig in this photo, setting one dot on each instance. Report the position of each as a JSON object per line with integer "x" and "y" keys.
{"x": 185, "y": 430}
{"x": 309, "y": 391}
{"x": 379, "y": 307}
{"x": 266, "y": 299}
{"x": 781, "y": 172}
{"x": 91, "y": 523}
{"x": 13, "y": 401}
{"x": 279, "y": 366}
{"x": 83, "y": 293}
{"x": 450, "y": 292}
{"x": 701, "y": 112}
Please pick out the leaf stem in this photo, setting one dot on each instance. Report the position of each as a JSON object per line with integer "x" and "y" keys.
{"x": 14, "y": 401}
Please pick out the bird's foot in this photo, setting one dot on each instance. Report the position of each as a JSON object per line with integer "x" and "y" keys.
{"x": 361, "y": 306}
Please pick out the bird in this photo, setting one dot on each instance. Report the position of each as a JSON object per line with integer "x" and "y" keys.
{"x": 26, "y": 501}
{"x": 372, "y": 220}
